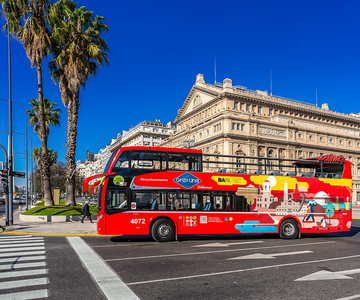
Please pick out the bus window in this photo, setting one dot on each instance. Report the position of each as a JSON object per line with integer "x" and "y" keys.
{"x": 146, "y": 200}
{"x": 184, "y": 162}
{"x": 123, "y": 160}
{"x": 116, "y": 199}
{"x": 240, "y": 204}
{"x": 229, "y": 202}
{"x": 148, "y": 160}
{"x": 189, "y": 201}
{"x": 218, "y": 203}
{"x": 99, "y": 197}
{"x": 207, "y": 202}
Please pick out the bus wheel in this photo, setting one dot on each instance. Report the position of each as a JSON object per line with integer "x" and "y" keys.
{"x": 163, "y": 230}
{"x": 289, "y": 229}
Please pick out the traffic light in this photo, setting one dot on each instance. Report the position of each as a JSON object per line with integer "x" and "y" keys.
{"x": 4, "y": 176}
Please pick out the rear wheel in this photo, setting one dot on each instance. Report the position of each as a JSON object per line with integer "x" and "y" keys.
{"x": 289, "y": 229}
{"x": 163, "y": 230}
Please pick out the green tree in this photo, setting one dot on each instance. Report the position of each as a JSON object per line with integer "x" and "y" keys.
{"x": 78, "y": 53}
{"x": 52, "y": 115}
{"x": 27, "y": 22}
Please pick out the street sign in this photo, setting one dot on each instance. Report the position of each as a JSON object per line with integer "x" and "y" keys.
{"x": 18, "y": 174}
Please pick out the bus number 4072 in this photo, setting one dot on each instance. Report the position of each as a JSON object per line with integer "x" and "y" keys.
{"x": 137, "y": 221}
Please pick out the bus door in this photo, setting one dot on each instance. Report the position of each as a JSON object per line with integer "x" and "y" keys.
{"x": 116, "y": 202}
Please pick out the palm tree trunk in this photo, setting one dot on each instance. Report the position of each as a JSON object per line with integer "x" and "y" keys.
{"x": 73, "y": 112}
{"x": 45, "y": 158}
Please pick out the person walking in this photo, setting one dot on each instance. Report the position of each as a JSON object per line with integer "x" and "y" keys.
{"x": 86, "y": 212}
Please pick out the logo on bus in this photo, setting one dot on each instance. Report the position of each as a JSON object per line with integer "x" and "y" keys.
{"x": 187, "y": 180}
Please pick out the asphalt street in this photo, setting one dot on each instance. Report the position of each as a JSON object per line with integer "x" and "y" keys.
{"x": 264, "y": 267}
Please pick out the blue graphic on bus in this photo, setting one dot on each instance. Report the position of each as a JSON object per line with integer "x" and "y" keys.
{"x": 187, "y": 180}
{"x": 253, "y": 227}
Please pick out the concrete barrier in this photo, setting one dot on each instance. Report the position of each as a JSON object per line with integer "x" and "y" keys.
{"x": 54, "y": 219}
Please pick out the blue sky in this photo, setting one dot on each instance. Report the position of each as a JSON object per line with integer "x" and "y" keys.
{"x": 158, "y": 48}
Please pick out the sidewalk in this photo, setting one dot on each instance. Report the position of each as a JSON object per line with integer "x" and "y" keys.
{"x": 48, "y": 228}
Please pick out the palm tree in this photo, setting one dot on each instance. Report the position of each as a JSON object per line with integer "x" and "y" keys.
{"x": 52, "y": 115}
{"x": 27, "y": 22}
{"x": 78, "y": 52}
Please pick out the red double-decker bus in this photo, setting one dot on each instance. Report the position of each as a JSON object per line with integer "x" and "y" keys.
{"x": 168, "y": 192}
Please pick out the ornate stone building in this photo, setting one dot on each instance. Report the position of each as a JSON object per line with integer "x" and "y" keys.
{"x": 232, "y": 120}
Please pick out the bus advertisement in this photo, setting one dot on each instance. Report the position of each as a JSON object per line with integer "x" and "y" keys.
{"x": 170, "y": 192}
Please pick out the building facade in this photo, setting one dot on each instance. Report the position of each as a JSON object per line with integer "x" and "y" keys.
{"x": 232, "y": 120}
{"x": 146, "y": 133}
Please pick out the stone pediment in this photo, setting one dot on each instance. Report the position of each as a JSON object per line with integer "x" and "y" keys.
{"x": 200, "y": 94}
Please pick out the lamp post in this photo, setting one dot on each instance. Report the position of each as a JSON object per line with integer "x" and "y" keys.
{"x": 10, "y": 146}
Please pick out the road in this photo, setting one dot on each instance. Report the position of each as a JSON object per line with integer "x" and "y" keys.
{"x": 253, "y": 267}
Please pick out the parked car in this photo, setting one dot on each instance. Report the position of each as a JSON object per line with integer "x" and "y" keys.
{"x": 2, "y": 200}
{"x": 17, "y": 200}
{"x": 23, "y": 199}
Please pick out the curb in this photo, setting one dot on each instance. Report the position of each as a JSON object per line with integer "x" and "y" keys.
{"x": 53, "y": 219}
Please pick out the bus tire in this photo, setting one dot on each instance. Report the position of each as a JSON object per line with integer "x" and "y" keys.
{"x": 163, "y": 230}
{"x": 289, "y": 229}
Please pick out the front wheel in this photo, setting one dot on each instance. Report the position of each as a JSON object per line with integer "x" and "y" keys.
{"x": 289, "y": 229}
{"x": 163, "y": 230}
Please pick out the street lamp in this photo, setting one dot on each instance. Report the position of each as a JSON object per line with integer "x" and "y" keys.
{"x": 10, "y": 149}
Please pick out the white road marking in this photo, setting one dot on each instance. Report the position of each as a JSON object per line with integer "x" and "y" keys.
{"x": 20, "y": 266}
{"x": 327, "y": 275}
{"x": 217, "y": 251}
{"x": 20, "y": 249}
{"x": 12, "y": 274}
{"x": 22, "y": 241}
{"x": 267, "y": 256}
{"x": 243, "y": 270}
{"x": 16, "y": 254}
{"x": 109, "y": 282}
{"x": 350, "y": 297}
{"x": 21, "y": 258}
{"x": 226, "y": 244}
{"x": 23, "y": 283}
{"x": 38, "y": 294}
{"x": 21, "y": 245}
{"x": 14, "y": 237}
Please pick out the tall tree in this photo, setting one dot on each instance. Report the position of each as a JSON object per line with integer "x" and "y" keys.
{"x": 78, "y": 53}
{"x": 27, "y": 22}
{"x": 52, "y": 115}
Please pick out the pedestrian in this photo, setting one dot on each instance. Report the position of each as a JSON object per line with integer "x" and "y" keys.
{"x": 86, "y": 212}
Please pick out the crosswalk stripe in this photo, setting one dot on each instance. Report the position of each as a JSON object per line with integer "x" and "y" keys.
{"x": 21, "y": 249}
{"x": 12, "y": 274}
{"x": 23, "y": 283}
{"x": 22, "y": 241}
{"x": 38, "y": 294}
{"x": 20, "y": 266}
{"x": 16, "y": 254}
{"x": 9, "y": 237}
{"x": 21, "y": 245}
{"x": 108, "y": 281}
{"x": 21, "y": 258}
